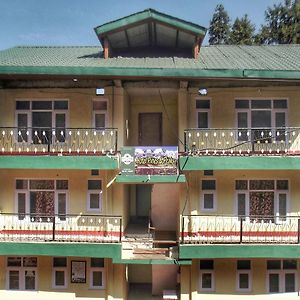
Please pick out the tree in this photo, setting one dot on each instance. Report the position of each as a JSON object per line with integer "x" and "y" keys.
{"x": 242, "y": 32}
{"x": 283, "y": 24}
{"x": 219, "y": 26}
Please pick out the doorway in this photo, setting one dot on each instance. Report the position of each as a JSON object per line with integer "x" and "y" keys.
{"x": 150, "y": 129}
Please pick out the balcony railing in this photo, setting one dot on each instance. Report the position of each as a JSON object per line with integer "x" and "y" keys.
{"x": 243, "y": 141}
{"x": 60, "y": 228}
{"x": 247, "y": 229}
{"x": 72, "y": 141}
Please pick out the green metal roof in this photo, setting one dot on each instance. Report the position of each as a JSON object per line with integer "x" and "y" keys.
{"x": 150, "y": 14}
{"x": 268, "y": 61}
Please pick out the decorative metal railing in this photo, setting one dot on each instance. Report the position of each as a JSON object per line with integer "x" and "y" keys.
{"x": 246, "y": 229}
{"x": 60, "y": 228}
{"x": 242, "y": 141}
{"x": 71, "y": 141}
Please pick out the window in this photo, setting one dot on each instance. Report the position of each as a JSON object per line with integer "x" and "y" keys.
{"x": 59, "y": 273}
{"x": 208, "y": 195}
{"x": 266, "y": 118}
{"x": 281, "y": 276}
{"x": 35, "y": 120}
{"x": 21, "y": 273}
{"x": 203, "y": 113}
{"x": 262, "y": 199}
{"x": 99, "y": 113}
{"x": 41, "y": 198}
{"x": 97, "y": 274}
{"x": 207, "y": 281}
{"x": 94, "y": 201}
{"x": 244, "y": 275}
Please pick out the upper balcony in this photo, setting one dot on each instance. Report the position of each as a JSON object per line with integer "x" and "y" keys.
{"x": 57, "y": 141}
{"x": 242, "y": 141}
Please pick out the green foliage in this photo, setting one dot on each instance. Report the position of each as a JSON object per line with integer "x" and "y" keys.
{"x": 219, "y": 26}
{"x": 242, "y": 32}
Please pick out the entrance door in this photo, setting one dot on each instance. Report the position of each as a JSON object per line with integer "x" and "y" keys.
{"x": 143, "y": 200}
{"x": 150, "y": 129}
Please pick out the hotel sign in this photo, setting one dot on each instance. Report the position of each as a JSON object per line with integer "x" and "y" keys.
{"x": 149, "y": 160}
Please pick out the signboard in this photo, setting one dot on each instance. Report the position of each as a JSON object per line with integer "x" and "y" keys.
{"x": 153, "y": 160}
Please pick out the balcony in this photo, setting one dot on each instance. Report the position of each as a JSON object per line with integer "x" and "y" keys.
{"x": 57, "y": 141}
{"x": 60, "y": 228}
{"x": 243, "y": 141}
{"x": 200, "y": 229}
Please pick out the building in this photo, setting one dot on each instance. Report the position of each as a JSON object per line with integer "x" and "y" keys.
{"x": 97, "y": 203}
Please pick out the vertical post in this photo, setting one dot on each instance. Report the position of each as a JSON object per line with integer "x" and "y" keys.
{"x": 53, "y": 228}
{"x": 241, "y": 231}
{"x": 120, "y": 236}
{"x": 182, "y": 229}
{"x": 298, "y": 231}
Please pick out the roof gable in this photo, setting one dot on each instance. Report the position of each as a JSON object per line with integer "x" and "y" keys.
{"x": 152, "y": 32}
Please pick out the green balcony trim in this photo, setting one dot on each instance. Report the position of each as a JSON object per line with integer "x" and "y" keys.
{"x": 150, "y": 179}
{"x": 62, "y": 249}
{"x": 192, "y": 163}
{"x": 239, "y": 251}
{"x": 58, "y": 162}
{"x": 120, "y": 72}
{"x": 153, "y": 261}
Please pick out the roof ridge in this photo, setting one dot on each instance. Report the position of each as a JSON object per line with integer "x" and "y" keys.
{"x": 57, "y": 46}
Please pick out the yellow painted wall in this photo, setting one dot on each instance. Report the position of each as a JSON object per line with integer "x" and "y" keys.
{"x": 114, "y": 286}
{"x": 222, "y": 103}
{"x": 225, "y": 278}
{"x": 225, "y": 192}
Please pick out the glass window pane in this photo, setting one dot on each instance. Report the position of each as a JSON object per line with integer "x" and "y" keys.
{"x": 208, "y": 200}
{"x": 207, "y": 264}
{"x": 290, "y": 282}
{"x": 14, "y": 262}
{"x": 280, "y": 119}
{"x": 29, "y": 262}
{"x": 60, "y": 278}
{"x": 23, "y": 105}
{"x": 242, "y": 119}
{"x": 59, "y": 261}
{"x": 99, "y": 120}
{"x": 261, "y": 118}
{"x": 29, "y": 280}
{"x": 259, "y": 185}
{"x": 21, "y": 184}
{"x": 243, "y": 264}
{"x": 261, "y": 104}
{"x": 41, "y": 184}
{"x": 99, "y": 105}
{"x": 60, "y": 104}
{"x": 95, "y": 201}
{"x": 21, "y": 205}
{"x": 202, "y": 119}
{"x": 282, "y": 185}
{"x": 42, "y": 119}
{"x": 206, "y": 280}
{"x": 208, "y": 184}
{"x": 203, "y": 104}
{"x": 97, "y": 262}
{"x": 42, "y": 105}
{"x": 280, "y": 103}
{"x": 14, "y": 283}
{"x": 241, "y": 184}
{"x": 274, "y": 283}
{"x": 22, "y": 120}
{"x": 273, "y": 264}
{"x": 241, "y": 204}
{"x": 62, "y": 184}
{"x": 60, "y": 120}
{"x": 289, "y": 264}
{"x": 62, "y": 205}
{"x": 97, "y": 278}
{"x": 241, "y": 103}
{"x": 282, "y": 204}
{"x": 94, "y": 184}
{"x": 244, "y": 281}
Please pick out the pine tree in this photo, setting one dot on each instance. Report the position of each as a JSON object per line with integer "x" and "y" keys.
{"x": 283, "y": 24}
{"x": 242, "y": 32}
{"x": 219, "y": 26}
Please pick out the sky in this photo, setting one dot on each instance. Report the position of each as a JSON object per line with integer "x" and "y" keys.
{"x": 72, "y": 22}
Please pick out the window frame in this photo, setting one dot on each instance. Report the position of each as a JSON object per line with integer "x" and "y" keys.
{"x": 207, "y": 271}
{"x": 211, "y": 192}
{"x": 91, "y": 277}
{"x": 100, "y": 111}
{"x": 65, "y": 270}
{"x": 205, "y": 110}
{"x": 243, "y": 271}
{"x": 96, "y": 191}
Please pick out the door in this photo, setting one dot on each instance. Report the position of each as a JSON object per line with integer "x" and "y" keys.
{"x": 143, "y": 200}
{"x": 150, "y": 129}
